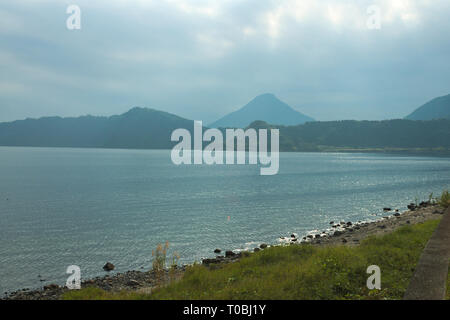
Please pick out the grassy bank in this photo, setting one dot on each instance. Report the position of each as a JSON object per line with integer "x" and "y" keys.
{"x": 299, "y": 272}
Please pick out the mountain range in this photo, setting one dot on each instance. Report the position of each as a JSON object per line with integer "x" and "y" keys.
{"x": 144, "y": 128}
{"x": 266, "y": 107}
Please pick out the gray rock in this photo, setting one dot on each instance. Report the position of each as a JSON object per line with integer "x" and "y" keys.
{"x": 133, "y": 283}
{"x": 51, "y": 287}
{"x": 210, "y": 261}
{"x": 229, "y": 254}
{"x": 108, "y": 266}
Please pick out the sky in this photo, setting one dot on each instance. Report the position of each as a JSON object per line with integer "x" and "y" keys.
{"x": 329, "y": 59}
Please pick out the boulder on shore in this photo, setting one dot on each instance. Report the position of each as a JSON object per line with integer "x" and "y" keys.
{"x": 108, "y": 266}
{"x": 210, "y": 261}
{"x": 229, "y": 254}
{"x": 424, "y": 204}
{"x": 133, "y": 283}
{"x": 51, "y": 287}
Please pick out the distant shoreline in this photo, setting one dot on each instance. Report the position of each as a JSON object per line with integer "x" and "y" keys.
{"x": 323, "y": 149}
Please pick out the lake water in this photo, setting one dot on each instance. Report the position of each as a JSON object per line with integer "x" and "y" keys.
{"x": 61, "y": 207}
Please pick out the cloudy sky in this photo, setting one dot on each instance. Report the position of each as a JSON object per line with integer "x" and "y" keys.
{"x": 203, "y": 59}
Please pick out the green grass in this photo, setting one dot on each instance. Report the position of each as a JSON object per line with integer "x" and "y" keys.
{"x": 92, "y": 293}
{"x": 300, "y": 272}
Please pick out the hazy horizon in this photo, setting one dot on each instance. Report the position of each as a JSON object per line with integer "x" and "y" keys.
{"x": 146, "y": 107}
{"x": 204, "y": 59}
{"x": 152, "y": 108}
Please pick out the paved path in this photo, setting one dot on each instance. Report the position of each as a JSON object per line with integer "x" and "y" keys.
{"x": 430, "y": 278}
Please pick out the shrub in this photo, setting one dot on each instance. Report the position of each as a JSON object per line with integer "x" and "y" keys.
{"x": 444, "y": 200}
{"x": 159, "y": 260}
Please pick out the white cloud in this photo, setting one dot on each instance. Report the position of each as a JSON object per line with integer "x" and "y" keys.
{"x": 210, "y": 8}
{"x": 214, "y": 46}
{"x": 10, "y": 23}
{"x": 12, "y": 88}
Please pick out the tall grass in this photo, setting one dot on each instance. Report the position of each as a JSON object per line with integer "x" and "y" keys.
{"x": 159, "y": 264}
{"x": 159, "y": 257}
{"x": 444, "y": 200}
{"x": 92, "y": 293}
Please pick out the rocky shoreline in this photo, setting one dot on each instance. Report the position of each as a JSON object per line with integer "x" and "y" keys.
{"x": 339, "y": 233}
{"x": 348, "y": 233}
{"x": 353, "y": 233}
{"x": 131, "y": 280}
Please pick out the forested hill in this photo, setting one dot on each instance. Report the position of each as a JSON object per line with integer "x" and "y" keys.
{"x": 139, "y": 128}
{"x": 438, "y": 108}
{"x": 142, "y": 128}
{"x": 349, "y": 134}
